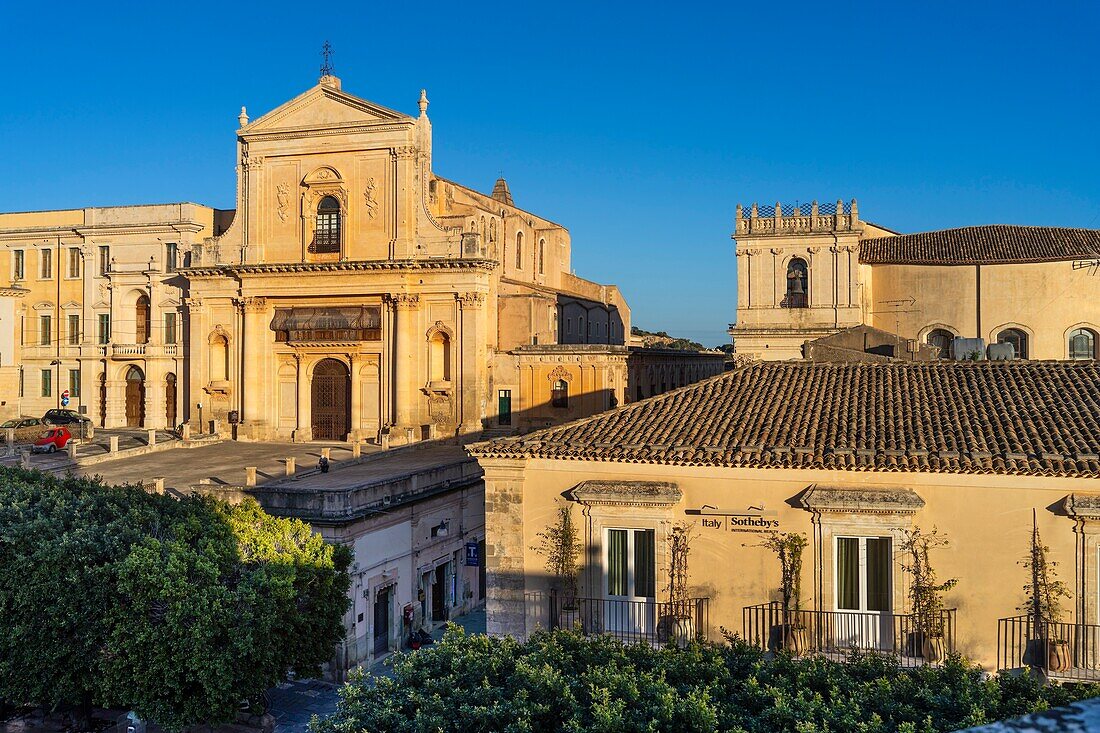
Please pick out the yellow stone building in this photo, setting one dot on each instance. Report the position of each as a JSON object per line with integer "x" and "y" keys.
{"x": 94, "y": 309}
{"x": 849, "y": 456}
{"x": 353, "y": 294}
{"x": 808, "y": 271}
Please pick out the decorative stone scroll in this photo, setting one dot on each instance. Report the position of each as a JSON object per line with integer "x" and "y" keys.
{"x": 861, "y": 500}
{"x": 559, "y": 373}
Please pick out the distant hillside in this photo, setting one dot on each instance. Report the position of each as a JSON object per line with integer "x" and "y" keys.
{"x": 661, "y": 340}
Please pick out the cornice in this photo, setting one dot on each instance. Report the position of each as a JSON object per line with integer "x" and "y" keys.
{"x": 343, "y": 128}
{"x": 346, "y": 266}
{"x": 83, "y": 230}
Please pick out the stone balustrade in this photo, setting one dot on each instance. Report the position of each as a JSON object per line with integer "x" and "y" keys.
{"x": 798, "y": 219}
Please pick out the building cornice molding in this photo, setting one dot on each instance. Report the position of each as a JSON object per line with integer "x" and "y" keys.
{"x": 178, "y": 227}
{"x": 848, "y": 500}
{"x": 627, "y": 493}
{"x": 279, "y": 268}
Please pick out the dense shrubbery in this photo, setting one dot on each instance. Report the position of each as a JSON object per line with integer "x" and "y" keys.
{"x": 178, "y": 609}
{"x": 561, "y": 681}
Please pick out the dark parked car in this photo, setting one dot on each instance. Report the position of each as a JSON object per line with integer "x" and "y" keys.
{"x": 64, "y": 417}
{"x": 26, "y": 429}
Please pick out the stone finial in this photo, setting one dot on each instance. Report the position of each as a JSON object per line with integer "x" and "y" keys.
{"x": 423, "y": 103}
{"x": 739, "y": 212}
{"x": 242, "y": 118}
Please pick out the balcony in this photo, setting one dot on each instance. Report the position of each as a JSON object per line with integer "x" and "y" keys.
{"x": 642, "y": 621}
{"x": 141, "y": 351}
{"x": 1063, "y": 652}
{"x": 838, "y": 633}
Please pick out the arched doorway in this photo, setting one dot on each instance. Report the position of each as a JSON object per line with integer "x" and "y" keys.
{"x": 331, "y": 392}
{"x": 170, "y": 400}
{"x": 135, "y": 398}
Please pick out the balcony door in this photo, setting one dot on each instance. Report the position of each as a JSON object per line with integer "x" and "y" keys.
{"x": 864, "y": 588}
{"x": 630, "y": 568}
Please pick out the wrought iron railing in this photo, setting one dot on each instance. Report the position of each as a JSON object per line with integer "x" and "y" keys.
{"x": 842, "y": 632}
{"x": 325, "y": 242}
{"x": 647, "y": 621}
{"x": 824, "y": 209}
{"x": 1061, "y": 651}
{"x": 795, "y": 300}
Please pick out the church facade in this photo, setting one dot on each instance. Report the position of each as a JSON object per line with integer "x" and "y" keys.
{"x": 353, "y": 294}
{"x": 808, "y": 271}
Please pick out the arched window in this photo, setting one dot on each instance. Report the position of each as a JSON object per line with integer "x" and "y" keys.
{"x": 326, "y": 235}
{"x": 439, "y": 357}
{"x": 1017, "y": 338}
{"x": 943, "y": 340}
{"x": 519, "y": 250}
{"x": 1082, "y": 344}
{"x": 559, "y": 394}
{"x": 542, "y": 256}
{"x": 141, "y": 315}
{"x": 798, "y": 281}
{"x": 219, "y": 359}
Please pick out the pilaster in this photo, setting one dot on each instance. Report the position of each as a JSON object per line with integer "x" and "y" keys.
{"x": 505, "y": 605}
{"x": 407, "y": 313}
{"x": 473, "y": 387}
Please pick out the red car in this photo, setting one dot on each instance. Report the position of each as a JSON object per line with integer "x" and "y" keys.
{"x": 54, "y": 439}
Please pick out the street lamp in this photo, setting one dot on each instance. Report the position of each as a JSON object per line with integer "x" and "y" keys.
{"x": 57, "y": 385}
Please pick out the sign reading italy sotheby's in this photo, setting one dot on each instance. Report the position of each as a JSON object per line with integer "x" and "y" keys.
{"x": 740, "y": 522}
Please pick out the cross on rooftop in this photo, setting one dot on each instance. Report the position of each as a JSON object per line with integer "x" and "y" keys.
{"x": 326, "y": 54}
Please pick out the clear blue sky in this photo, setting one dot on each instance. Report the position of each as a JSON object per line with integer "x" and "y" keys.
{"x": 639, "y": 126}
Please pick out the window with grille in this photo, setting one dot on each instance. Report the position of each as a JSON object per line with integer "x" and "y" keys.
{"x": 326, "y": 234}
{"x": 1082, "y": 344}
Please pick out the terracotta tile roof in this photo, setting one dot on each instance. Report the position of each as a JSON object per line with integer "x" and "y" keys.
{"x": 1039, "y": 418}
{"x": 994, "y": 244}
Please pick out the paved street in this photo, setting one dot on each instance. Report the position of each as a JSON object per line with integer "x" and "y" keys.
{"x": 99, "y": 444}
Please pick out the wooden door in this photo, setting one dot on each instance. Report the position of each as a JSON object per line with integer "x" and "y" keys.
{"x": 135, "y": 398}
{"x": 331, "y": 392}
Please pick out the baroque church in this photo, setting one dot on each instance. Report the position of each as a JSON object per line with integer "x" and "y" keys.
{"x": 352, "y": 294}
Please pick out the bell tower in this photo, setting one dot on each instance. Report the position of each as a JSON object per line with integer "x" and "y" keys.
{"x": 798, "y": 275}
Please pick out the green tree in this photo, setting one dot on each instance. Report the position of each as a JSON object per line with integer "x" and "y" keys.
{"x": 560, "y": 681}
{"x": 178, "y": 609}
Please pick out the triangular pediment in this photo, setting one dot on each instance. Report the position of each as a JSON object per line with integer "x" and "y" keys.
{"x": 322, "y": 106}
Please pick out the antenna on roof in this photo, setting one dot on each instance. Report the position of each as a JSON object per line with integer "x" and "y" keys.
{"x": 1092, "y": 264}
{"x": 897, "y": 307}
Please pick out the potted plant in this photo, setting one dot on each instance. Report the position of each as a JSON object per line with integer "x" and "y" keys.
{"x": 790, "y": 634}
{"x": 677, "y": 624}
{"x": 561, "y": 547}
{"x": 926, "y": 595}
{"x": 1043, "y": 604}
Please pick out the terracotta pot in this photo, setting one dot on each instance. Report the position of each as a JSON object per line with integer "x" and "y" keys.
{"x": 933, "y": 649}
{"x": 1058, "y": 657}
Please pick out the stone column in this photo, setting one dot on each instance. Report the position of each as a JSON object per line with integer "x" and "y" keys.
{"x": 116, "y": 402}
{"x": 474, "y": 387}
{"x": 504, "y": 547}
{"x": 304, "y": 431}
{"x": 155, "y": 415}
{"x": 356, "y": 398}
{"x": 405, "y": 359}
{"x": 252, "y": 384}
